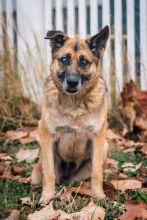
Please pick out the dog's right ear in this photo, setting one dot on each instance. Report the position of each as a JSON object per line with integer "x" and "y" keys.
{"x": 57, "y": 39}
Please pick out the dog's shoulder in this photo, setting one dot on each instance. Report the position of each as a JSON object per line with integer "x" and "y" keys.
{"x": 50, "y": 92}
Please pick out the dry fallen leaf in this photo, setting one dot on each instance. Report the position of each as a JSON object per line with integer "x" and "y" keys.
{"x": 24, "y": 136}
{"x": 135, "y": 210}
{"x": 122, "y": 176}
{"x": 126, "y": 184}
{"x": 18, "y": 170}
{"x": 2, "y": 168}
{"x": 113, "y": 135}
{"x": 26, "y": 140}
{"x": 8, "y": 175}
{"x": 4, "y": 157}
{"x": 27, "y": 155}
{"x": 113, "y": 163}
{"x": 14, "y": 215}
{"x": 91, "y": 211}
{"x": 81, "y": 190}
{"x": 16, "y": 135}
{"x": 47, "y": 213}
{"x": 131, "y": 167}
{"x": 26, "y": 201}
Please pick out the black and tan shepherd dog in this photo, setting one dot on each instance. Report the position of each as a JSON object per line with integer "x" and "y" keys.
{"x": 74, "y": 115}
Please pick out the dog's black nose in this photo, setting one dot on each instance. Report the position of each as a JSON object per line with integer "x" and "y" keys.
{"x": 72, "y": 80}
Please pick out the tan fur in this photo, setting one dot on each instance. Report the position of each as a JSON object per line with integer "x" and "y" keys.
{"x": 70, "y": 121}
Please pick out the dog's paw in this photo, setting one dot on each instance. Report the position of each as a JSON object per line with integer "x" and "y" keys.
{"x": 98, "y": 191}
{"x": 46, "y": 197}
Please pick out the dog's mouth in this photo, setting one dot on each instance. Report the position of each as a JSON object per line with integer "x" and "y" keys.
{"x": 72, "y": 83}
{"x": 71, "y": 90}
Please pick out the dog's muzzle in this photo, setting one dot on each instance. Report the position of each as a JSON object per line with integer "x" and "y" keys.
{"x": 72, "y": 82}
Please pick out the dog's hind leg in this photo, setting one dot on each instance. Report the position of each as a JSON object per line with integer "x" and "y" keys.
{"x": 37, "y": 175}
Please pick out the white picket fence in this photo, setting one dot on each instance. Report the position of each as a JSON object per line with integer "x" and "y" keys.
{"x": 81, "y": 18}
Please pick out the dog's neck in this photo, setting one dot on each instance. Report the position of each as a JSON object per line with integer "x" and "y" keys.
{"x": 90, "y": 99}
{"x": 96, "y": 91}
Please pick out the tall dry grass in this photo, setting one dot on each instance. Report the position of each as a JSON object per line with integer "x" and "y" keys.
{"x": 15, "y": 108}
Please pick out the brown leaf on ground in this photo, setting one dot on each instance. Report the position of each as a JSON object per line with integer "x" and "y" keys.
{"x": 134, "y": 109}
{"x": 8, "y": 175}
{"x": 24, "y": 136}
{"x": 113, "y": 135}
{"x": 2, "y": 137}
{"x": 14, "y": 215}
{"x": 113, "y": 163}
{"x": 77, "y": 190}
{"x": 126, "y": 184}
{"x": 27, "y": 155}
{"x": 141, "y": 123}
{"x": 135, "y": 210}
{"x": 110, "y": 190}
{"x": 122, "y": 176}
{"x": 4, "y": 157}
{"x": 91, "y": 211}
{"x": 131, "y": 167}
{"x": 143, "y": 171}
{"x": 18, "y": 170}
{"x": 47, "y": 213}
{"x": 16, "y": 135}
{"x": 2, "y": 168}
{"x": 131, "y": 146}
{"x": 26, "y": 201}
{"x": 26, "y": 140}
{"x": 143, "y": 149}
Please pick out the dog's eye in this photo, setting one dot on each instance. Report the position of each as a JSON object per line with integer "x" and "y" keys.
{"x": 83, "y": 62}
{"x": 66, "y": 60}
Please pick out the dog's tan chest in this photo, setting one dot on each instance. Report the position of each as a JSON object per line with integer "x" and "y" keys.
{"x": 88, "y": 124}
{"x": 72, "y": 146}
{"x": 74, "y": 133}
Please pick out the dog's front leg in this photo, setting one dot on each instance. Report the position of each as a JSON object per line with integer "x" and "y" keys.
{"x": 98, "y": 157}
{"x": 47, "y": 159}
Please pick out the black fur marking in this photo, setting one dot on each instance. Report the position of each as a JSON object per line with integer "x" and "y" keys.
{"x": 85, "y": 79}
{"x": 65, "y": 59}
{"x": 61, "y": 76}
{"x": 57, "y": 39}
{"x": 76, "y": 47}
{"x": 84, "y": 62}
{"x": 97, "y": 43}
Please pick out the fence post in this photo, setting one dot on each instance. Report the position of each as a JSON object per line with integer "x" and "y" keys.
{"x": 107, "y": 54}
{"x": 118, "y": 45}
{"x": 31, "y": 27}
{"x": 71, "y": 17}
{"x": 82, "y": 19}
{"x": 93, "y": 17}
{"x": 59, "y": 15}
{"x": 131, "y": 39}
{"x": 48, "y": 26}
{"x": 143, "y": 44}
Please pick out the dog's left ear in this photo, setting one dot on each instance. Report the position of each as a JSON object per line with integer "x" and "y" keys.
{"x": 97, "y": 43}
{"x": 57, "y": 39}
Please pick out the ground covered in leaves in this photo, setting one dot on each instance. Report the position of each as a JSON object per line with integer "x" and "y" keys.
{"x": 125, "y": 177}
{"x": 125, "y": 182}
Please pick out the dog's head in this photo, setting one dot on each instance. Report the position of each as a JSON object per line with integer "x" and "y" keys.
{"x": 75, "y": 62}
